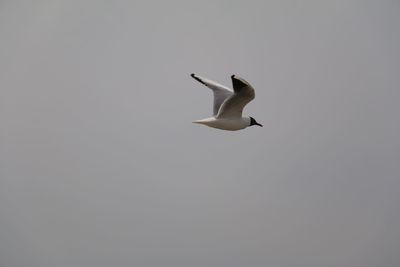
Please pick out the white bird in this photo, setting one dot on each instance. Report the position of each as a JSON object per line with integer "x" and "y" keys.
{"x": 228, "y": 104}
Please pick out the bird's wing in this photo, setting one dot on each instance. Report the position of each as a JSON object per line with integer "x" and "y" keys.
{"x": 221, "y": 93}
{"x": 233, "y": 106}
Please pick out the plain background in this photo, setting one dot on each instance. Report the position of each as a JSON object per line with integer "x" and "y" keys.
{"x": 101, "y": 166}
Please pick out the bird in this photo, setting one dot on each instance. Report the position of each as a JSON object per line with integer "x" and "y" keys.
{"x": 228, "y": 104}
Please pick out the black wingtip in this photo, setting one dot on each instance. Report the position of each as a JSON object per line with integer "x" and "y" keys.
{"x": 238, "y": 83}
{"x": 197, "y": 79}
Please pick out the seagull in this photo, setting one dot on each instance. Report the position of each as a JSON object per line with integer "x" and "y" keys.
{"x": 228, "y": 104}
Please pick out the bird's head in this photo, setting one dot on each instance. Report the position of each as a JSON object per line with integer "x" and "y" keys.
{"x": 254, "y": 122}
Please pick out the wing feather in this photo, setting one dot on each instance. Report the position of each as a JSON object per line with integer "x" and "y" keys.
{"x": 234, "y": 105}
{"x": 221, "y": 92}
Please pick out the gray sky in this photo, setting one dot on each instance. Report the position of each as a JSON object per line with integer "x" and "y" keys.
{"x": 101, "y": 166}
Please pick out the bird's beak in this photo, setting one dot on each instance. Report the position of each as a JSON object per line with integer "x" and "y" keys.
{"x": 258, "y": 124}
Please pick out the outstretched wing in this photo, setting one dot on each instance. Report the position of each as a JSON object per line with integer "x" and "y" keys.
{"x": 243, "y": 94}
{"x": 221, "y": 93}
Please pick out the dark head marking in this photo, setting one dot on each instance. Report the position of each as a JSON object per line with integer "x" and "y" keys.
{"x": 254, "y": 122}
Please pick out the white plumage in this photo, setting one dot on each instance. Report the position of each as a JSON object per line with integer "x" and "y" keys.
{"x": 228, "y": 104}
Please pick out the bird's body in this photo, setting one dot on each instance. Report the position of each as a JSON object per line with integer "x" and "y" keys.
{"x": 226, "y": 123}
{"x": 228, "y": 104}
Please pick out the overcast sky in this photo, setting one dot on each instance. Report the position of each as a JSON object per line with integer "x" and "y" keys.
{"x": 101, "y": 166}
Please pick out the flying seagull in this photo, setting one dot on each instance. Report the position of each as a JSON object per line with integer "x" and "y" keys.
{"x": 228, "y": 104}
